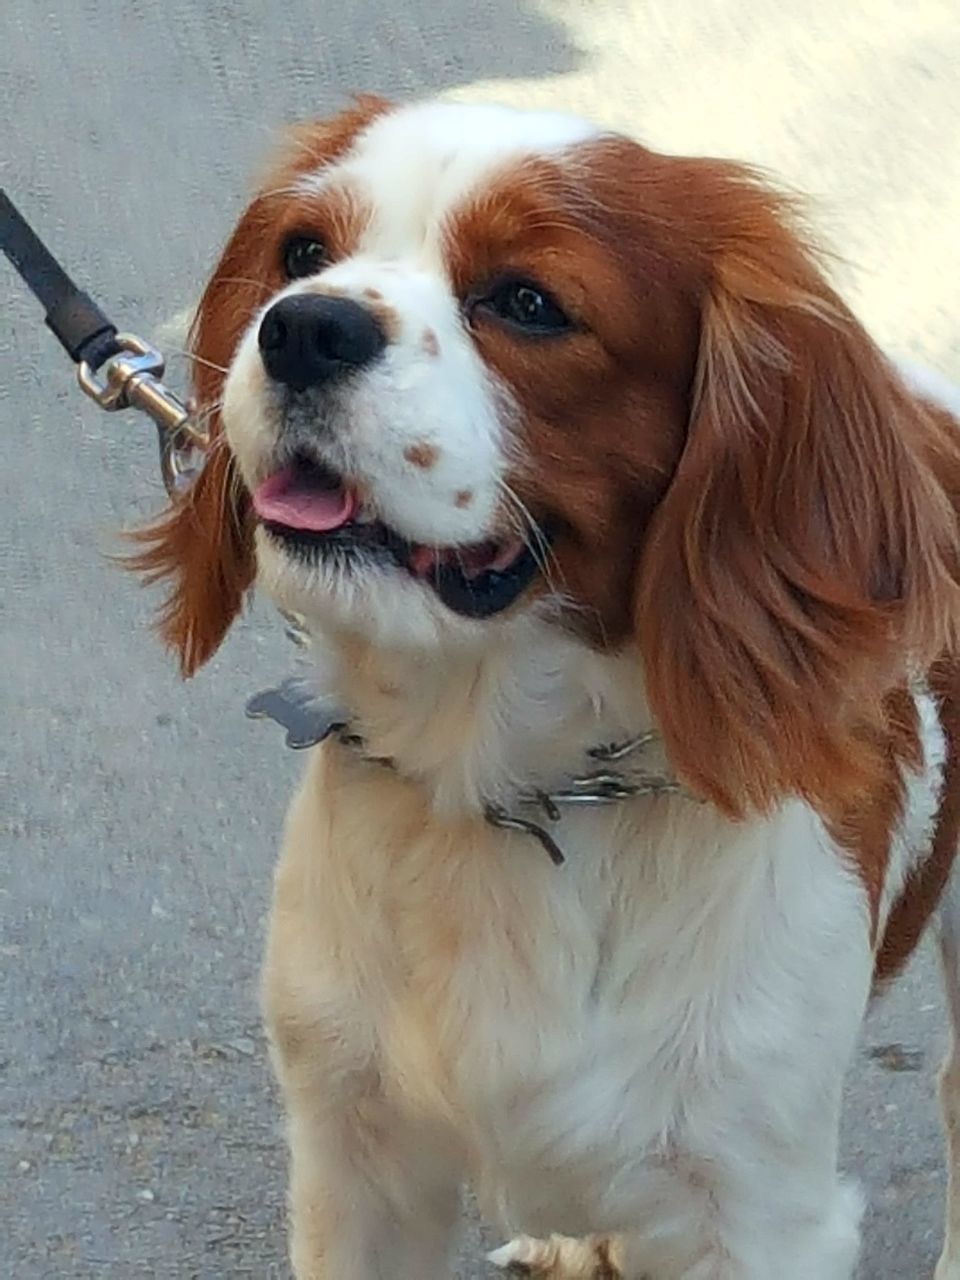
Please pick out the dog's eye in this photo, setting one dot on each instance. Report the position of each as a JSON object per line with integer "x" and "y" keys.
{"x": 303, "y": 256}
{"x": 527, "y": 306}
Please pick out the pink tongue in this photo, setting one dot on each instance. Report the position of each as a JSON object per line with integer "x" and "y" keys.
{"x": 290, "y": 498}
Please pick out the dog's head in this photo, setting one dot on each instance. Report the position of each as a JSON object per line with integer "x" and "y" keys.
{"x": 463, "y": 362}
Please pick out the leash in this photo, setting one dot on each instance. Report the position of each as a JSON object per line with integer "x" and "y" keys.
{"x": 116, "y": 370}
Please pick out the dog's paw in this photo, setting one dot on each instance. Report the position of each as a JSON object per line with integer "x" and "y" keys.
{"x": 560, "y": 1258}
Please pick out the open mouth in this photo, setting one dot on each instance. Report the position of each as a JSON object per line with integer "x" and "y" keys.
{"x": 311, "y": 510}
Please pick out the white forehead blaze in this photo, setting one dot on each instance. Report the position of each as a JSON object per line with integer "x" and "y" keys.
{"x": 416, "y": 165}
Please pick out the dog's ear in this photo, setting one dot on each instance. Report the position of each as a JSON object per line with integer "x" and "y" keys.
{"x": 804, "y": 559}
{"x": 202, "y": 544}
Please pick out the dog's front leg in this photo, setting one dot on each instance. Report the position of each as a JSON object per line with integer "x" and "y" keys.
{"x": 374, "y": 1192}
{"x": 367, "y": 1202}
{"x": 374, "y": 1186}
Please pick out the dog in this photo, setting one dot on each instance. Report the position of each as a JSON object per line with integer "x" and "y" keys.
{"x": 618, "y": 540}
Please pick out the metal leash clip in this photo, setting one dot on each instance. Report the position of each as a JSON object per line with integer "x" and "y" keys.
{"x": 116, "y": 370}
{"x": 131, "y": 379}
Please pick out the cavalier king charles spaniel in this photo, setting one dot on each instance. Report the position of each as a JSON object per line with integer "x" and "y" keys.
{"x": 616, "y": 537}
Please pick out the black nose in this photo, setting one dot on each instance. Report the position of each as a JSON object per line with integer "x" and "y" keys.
{"x": 308, "y": 340}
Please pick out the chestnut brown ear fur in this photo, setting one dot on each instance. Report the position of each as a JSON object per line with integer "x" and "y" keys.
{"x": 202, "y": 545}
{"x": 804, "y": 560}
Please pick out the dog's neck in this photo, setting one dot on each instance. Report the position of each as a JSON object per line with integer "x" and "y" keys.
{"x": 476, "y": 725}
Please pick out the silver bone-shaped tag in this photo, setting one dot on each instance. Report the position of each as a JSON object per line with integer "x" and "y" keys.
{"x": 295, "y": 707}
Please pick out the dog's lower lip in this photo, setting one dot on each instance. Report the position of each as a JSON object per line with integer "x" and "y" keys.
{"x": 465, "y": 586}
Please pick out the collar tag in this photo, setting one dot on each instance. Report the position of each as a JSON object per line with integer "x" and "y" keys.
{"x": 294, "y": 706}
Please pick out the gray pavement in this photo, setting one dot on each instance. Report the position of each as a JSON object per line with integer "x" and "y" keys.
{"x": 139, "y": 1133}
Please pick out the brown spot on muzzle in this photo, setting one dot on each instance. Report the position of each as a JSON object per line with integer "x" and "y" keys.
{"x": 422, "y": 455}
{"x": 430, "y": 343}
{"x": 388, "y": 320}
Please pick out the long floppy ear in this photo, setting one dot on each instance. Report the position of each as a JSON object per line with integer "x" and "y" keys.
{"x": 804, "y": 560}
{"x": 202, "y": 545}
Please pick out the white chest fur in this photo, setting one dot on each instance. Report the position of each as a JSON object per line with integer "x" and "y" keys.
{"x": 674, "y": 1007}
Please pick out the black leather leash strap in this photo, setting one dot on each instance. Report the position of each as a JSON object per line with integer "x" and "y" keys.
{"x": 116, "y": 370}
{"x": 73, "y": 317}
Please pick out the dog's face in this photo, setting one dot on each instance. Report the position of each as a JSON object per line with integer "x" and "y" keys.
{"x": 421, "y": 400}
{"x": 463, "y": 362}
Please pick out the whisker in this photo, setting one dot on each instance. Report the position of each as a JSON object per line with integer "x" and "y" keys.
{"x": 522, "y": 522}
{"x": 533, "y": 537}
{"x": 244, "y": 280}
{"x": 184, "y": 354}
{"x": 526, "y": 518}
{"x": 204, "y": 413}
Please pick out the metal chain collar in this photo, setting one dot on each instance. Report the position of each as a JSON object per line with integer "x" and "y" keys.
{"x": 308, "y": 721}
{"x": 595, "y": 787}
